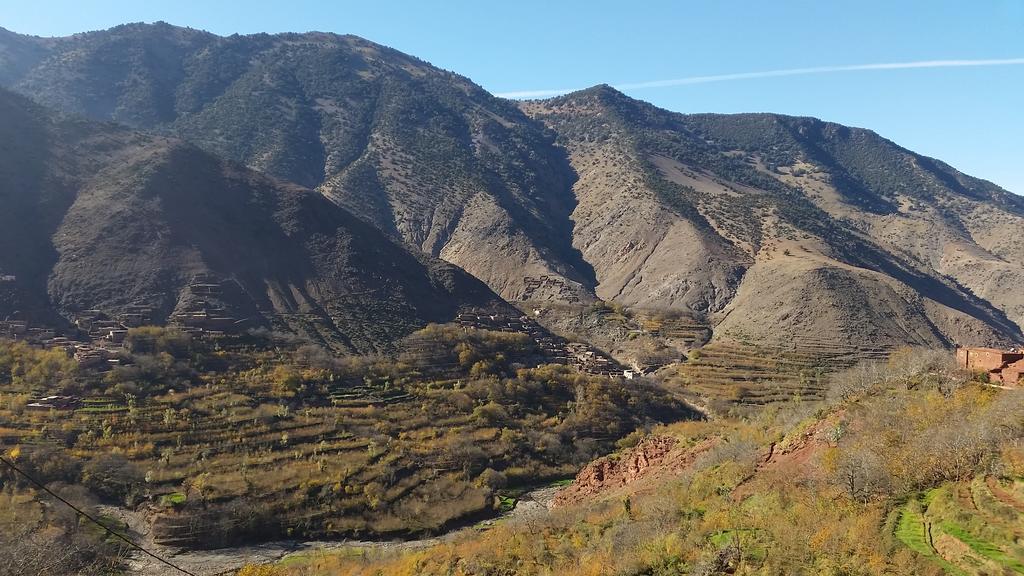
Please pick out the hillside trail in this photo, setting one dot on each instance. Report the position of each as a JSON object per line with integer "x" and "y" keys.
{"x": 222, "y": 562}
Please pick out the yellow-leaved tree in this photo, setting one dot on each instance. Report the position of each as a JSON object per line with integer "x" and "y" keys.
{"x": 260, "y": 570}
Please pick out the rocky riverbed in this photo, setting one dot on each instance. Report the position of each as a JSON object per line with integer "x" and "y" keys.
{"x": 532, "y": 504}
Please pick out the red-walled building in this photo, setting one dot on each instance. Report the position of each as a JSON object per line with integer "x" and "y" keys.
{"x": 1002, "y": 366}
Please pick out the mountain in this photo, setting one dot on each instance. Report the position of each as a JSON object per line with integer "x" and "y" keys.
{"x": 99, "y": 217}
{"x": 787, "y": 229}
{"x": 424, "y": 154}
{"x": 772, "y": 229}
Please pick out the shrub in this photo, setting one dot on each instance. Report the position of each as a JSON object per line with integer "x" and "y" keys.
{"x": 260, "y": 570}
{"x": 491, "y": 478}
{"x": 156, "y": 340}
{"x": 113, "y": 478}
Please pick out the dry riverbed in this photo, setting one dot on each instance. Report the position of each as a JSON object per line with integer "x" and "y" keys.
{"x": 532, "y": 504}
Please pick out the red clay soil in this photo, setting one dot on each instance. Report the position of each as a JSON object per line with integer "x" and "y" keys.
{"x": 659, "y": 456}
{"x": 1002, "y": 495}
{"x": 653, "y": 457}
{"x": 965, "y": 498}
{"x": 795, "y": 460}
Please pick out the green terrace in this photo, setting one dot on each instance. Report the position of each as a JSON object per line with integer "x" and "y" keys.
{"x": 972, "y": 528}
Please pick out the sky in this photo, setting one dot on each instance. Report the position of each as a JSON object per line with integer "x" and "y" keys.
{"x": 943, "y": 78}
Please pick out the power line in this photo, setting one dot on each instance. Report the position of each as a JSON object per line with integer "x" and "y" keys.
{"x": 90, "y": 518}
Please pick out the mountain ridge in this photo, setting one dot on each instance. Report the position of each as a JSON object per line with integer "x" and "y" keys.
{"x": 680, "y": 168}
{"x": 583, "y": 196}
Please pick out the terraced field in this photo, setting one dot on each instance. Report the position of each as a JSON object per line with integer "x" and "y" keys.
{"x": 746, "y": 374}
{"x": 727, "y": 371}
{"x": 684, "y": 329}
{"x": 971, "y": 528}
{"x": 212, "y": 446}
{"x": 268, "y": 446}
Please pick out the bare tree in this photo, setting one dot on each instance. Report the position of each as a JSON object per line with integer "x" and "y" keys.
{"x": 49, "y": 550}
{"x": 861, "y": 474}
{"x": 855, "y": 380}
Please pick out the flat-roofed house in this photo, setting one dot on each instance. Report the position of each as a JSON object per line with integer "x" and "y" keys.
{"x": 1002, "y": 366}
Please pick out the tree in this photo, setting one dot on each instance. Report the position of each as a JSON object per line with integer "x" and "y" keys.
{"x": 157, "y": 339}
{"x": 260, "y": 570}
{"x": 855, "y": 380}
{"x": 860, "y": 474}
{"x": 113, "y": 478}
{"x": 285, "y": 381}
{"x": 492, "y": 479}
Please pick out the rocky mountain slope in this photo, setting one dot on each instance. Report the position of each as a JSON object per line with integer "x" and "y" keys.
{"x": 96, "y": 216}
{"x": 786, "y": 229}
{"x": 424, "y": 154}
{"x": 773, "y": 229}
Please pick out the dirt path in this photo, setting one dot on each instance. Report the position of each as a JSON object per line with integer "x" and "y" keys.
{"x": 1002, "y": 495}
{"x": 533, "y": 504}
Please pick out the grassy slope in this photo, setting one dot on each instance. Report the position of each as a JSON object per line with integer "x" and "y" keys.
{"x": 983, "y": 529}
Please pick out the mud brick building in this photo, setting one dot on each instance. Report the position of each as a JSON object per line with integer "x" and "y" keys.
{"x": 1002, "y": 366}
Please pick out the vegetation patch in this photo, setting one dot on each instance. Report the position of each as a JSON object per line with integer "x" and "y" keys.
{"x": 244, "y": 442}
{"x": 877, "y": 497}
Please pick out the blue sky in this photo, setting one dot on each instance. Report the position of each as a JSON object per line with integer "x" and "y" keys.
{"x": 969, "y": 116}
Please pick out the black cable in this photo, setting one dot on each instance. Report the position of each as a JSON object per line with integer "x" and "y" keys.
{"x": 90, "y": 518}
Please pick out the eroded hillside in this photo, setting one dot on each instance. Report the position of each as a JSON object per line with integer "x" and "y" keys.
{"x": 678, "y": 211}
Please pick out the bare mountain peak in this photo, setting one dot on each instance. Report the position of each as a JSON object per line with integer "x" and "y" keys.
{"x": 604, "y": 91}
{"x": 779, "y": 200}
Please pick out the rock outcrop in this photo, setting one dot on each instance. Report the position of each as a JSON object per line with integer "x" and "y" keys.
{"x": 650, "y": 458}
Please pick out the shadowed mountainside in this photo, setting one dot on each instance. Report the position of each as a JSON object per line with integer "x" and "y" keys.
{"x": 100, "y": 217}
{"x": 424, "y": 154}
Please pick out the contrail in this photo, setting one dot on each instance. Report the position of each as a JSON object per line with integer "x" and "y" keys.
{"x": 777, "y": 73}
